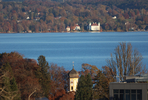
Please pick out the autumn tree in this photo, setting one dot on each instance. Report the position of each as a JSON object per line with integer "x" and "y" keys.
{"x": 109, "y": 73}
{"x": 24, "y": 73}
{"x": 101, "y": 87}
{"x": 89, "y": 69}
{"x": 59, "y": 79}
{"x": 68, "y": 96}
{"x": 20, "y": 28}
{"x": 12, "y": 58}
{"x": 125, "y": 61}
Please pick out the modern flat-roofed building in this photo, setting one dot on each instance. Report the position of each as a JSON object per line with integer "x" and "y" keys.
{"x": 134, "y": 88}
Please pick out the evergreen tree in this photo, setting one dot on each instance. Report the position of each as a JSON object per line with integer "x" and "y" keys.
{"x": 89, "y": 85}
{"x": 44, "y": 75}
{"x": 84, "y": 89}
{"x": 80, "y": 89}
{"x": 9, "y": 86}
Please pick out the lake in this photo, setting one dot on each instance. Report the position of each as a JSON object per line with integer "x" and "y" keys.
{"x": 64, "y": 48}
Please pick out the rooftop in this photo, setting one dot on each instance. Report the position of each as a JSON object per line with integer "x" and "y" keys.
{"x": 73, "y": 73}
{"x": 137, "y": 78}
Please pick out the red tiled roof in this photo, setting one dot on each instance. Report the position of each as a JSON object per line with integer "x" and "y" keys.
{"x": 76, "y": 25}
{"x": 94, "y": 24}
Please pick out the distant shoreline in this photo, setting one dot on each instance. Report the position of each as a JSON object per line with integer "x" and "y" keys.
{"x": 75, "y": 32}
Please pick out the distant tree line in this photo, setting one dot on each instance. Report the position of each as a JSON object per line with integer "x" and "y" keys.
{"x": 55, "y": 16}
{"x": 27, "y": 79}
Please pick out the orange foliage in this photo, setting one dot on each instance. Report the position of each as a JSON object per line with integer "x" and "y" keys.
{"x": 23, "y": 70}
{"x": 87, "y": 68}
{"x": 109, "y": 73}
{"x": 59, "y": 94}
{"x": 62, "y": 95}
{"x": 68, "y": 96}
{"x": 58, "y": 78}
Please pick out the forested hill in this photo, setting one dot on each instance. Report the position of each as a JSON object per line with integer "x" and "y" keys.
{"x": 54, "y": 16}
{"x": 131, "y": 4}
{"x": 123, "y": 4}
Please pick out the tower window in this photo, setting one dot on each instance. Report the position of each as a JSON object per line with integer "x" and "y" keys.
{"x": 71, "y": 87}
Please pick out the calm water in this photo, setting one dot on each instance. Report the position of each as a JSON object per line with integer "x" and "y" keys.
{"x": 64, "y": 48}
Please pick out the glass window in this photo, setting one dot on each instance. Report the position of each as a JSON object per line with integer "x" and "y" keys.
{"x": 121, "y": 91}
{"x": 71, "y": 87}
{"x": 127, "y": 91}
{"x": 115, "y": 96}
{"x": 133, "y": 96}
{"x": 133, "y": 91}
{"x": 127, "y": 94}
{"x": 139, "y": 94}
{"x": 127, "y": 97}
{"x": 121, "y": 96}
{"x": 116, "y": 91}
{"x": 139, "y": 91}
{"x": 71, "y": 82}
{"x": 139, "y": 97}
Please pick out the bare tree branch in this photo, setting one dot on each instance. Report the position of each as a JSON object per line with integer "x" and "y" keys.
{"x": 125, "y": 61}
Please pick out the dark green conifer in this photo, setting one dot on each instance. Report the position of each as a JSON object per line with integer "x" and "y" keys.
{"x": 44, "y": 75}
{"x": 84, "y": 89}
{"x": 80, "y": 89}
{"x": 9, "y": 84}
{"x": 89, "y": 87}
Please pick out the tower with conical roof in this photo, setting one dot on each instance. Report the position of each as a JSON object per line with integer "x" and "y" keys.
{"x": 73, "y": 79}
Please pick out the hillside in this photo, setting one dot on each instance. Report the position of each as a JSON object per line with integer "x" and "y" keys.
{"x": 122, "y": 4}
{"x": 55, "y": 16}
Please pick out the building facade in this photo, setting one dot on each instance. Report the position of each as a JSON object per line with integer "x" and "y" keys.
{"x": 67, "y": 28}
{"x": 94, "y": 26}
{"x": 134, "y": 88}
{"x": 73, "y": 80}
{"x": 128, "y": 91}
{"x": 77, "y": 27}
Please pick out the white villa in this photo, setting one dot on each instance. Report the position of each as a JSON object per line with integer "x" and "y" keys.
{"x": 67, "y": 28}
{"x": 94, "y": 26}
{"x": 77, "y": 27}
